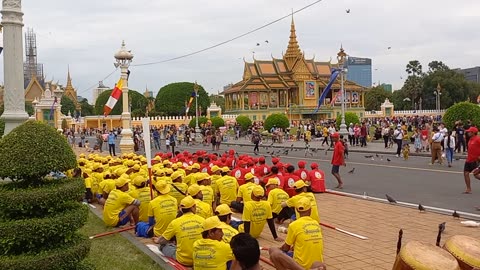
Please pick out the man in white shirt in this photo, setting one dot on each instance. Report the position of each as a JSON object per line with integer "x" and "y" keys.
{"x": 398, "y": 137}
{"x": 437, "y": 140}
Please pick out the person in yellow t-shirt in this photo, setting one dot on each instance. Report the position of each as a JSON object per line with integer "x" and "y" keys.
{"x": 191, "y": 178}
{"x": 227, "y": 187}
{"x": 304, "y": 236}
{"x": 276, "y": 197}
{"x": 203, "y": 180}
{"x": 162, "y": 210}
{"x": 256, "y": 213}
{"x": 178, "y": 188}
{"x": 120, "y": 208}
{"x": 244, "y": 193}
{"x": 104, "y": 188}
{"x": 301, "y": 190}
{"x": 141, "y": 193}
{"x": 186, "y": 230}
{"x": 211, "y": 252}
{"x": 224, "y": 214}
{"x": 215, "y": 175}
{"x": 203, "y": 209}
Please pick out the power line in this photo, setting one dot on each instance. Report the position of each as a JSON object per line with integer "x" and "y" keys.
{"x": 91, "y": 87}
{"x": 229, "y": 40}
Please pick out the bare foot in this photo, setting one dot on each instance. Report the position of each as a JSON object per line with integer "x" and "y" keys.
{"x": 339, "y": 186}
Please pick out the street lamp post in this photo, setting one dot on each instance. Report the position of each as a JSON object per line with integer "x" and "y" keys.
{"x": 123, "y": 59}
{"x": 341, "y": 55}
{"x": 197, "y": 128}
{"x": 437, "y": 92}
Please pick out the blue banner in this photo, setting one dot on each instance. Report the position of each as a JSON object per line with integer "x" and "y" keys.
{"x": 333, "y": 77}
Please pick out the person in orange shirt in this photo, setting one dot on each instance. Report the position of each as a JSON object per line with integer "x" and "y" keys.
{"x": 338, "y": 158}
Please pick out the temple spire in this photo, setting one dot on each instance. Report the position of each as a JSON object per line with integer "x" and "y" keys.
{"x": 69, "y": 79}
{"x": 293, "y": 50}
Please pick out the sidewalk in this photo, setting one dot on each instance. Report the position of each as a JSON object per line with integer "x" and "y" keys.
{"x": 375, "y": 146}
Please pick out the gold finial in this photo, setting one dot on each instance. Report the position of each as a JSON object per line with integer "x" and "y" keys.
{"x": 341, "y": 56}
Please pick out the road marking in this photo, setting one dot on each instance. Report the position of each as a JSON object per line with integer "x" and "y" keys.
{"x": 361, "y": 163}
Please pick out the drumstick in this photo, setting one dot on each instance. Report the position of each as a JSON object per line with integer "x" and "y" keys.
{"x": 399, "y": 242}
{"x": 112, "y": 232}
{"x": 439, "y": 235}
{"x": 344, "y": 231}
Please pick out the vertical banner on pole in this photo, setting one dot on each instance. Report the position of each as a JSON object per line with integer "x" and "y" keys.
{"x": 148, "y": 150}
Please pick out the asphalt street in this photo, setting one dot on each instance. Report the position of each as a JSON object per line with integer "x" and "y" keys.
{"x": 412, "y": 181}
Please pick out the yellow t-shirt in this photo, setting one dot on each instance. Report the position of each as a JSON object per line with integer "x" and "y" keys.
{"x": 116, "y": 202}
{"x": 227, "y": 188}
{"x": 143, "y": 195}
{"x": 191, "y": 178}
{"x": 211, "y": 254}
{"x": 106, "y": 186}
{"x": 245, "y": 191}
{"x": 228, "y": 232}
{"x": 305, "y": 236}
{"x": 97, "y": 178}
{"x": 175, "y": 193}
{"x": 293, "y": 201}
{"x": 275, "y": 197}
{"x": 186, "y": 229}
{"x": 203, "y": 209}
{"x": 207, "y": 192}
{"x": 213, "y": 184}
{"x": 88, "y": 182}
{"x": 164, "y": 209}
{"x": 257, "y": 214}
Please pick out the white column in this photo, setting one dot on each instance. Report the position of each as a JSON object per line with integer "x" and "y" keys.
{"x": 126, "y": 142}
{"x": 14, "y": 94}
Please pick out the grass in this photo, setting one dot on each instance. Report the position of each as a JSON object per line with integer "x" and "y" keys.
{"x": 114, "y": 251}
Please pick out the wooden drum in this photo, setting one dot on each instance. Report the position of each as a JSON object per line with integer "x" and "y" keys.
{"x": 465, "y": 249}
{"x": 420, "y": 256}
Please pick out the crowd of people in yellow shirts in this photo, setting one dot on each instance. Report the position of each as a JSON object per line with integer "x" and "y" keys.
{"x": 187, "y": 207}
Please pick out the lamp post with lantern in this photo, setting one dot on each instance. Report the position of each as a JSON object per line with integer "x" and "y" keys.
{"x": 341, "y": 57}
{"x": 123, "y": 59}
{"x": 437, "y": 92}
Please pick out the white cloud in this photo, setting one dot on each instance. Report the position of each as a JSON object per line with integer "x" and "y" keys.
{"x": 85, "y": 34}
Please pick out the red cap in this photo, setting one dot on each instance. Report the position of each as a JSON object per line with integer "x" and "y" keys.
{"x": 275, "y": 160}
{"x": 301, "y": 164}
{"x": 261, "y": 159}
{"x": 472, "y": 129}
{"x": 314, "y": 165}
{"x": 336, "y": 135}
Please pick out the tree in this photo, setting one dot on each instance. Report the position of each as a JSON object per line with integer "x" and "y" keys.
{"x": 462, "y": 111}
{"x": 414, "y": 68}
{"x": 398, "y": 98}
{"x": 375, "y": 97}
{"x": 86, "y": 108}
{"x": 278, "y": 120}
{"x": 437, "y": 66}
{"x": 217, "y": 122}
{"x": 350, "y": 117}
{"x": 67, "y": 106}
{"x": 171, "y": 99}
{"x": 201, "y": 120}
{"x": 137, "y": 101}
{"x": 243, "y": 121}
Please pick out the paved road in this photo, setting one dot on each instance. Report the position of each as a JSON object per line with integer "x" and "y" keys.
{"x": 412, "y": 181}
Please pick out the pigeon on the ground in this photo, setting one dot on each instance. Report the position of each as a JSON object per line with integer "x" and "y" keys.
{"x": 390, "y": 199}
{"x": 377, "y": 155}
{"x": 441, "y": 227}
{"x": 369, "y": 156}
{"x": 421, "y": 208}
{"x": 352, "y": 170}
{"x": 455, "y": 214}
{"x": 389, "y": 160}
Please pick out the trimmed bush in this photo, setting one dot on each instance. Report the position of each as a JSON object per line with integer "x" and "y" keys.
{"x": 217, "y": 122}
{"x": 243, "y": 121}
{"x": 66, "y": 256}
{"x": 462, "y": 111}
{"x": 278, "y": 120}
{"x": 42, "y": 233}
{"x": 171, "y": 99}
{"x": 350, "y": 117}
{"x": 201, "y": 120}
{"x": 37, "y": 202}
{"x": 32, "y": 150}
{"x": 2, "y": 127}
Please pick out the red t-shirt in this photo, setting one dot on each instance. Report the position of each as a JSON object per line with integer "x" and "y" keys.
{"x": 337, "y": 158}
{"x": 473, "y": 149}
{"x": 261, "y": 170}
{"x": 302, "y": 173}
{"x": 290, "y": 179}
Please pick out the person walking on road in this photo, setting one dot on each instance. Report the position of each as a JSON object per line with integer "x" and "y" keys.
{"x": 437, "y": 140}
{"x": 337, "y": 158}
{"x": 449, "y": 146}
{"x": 111, "y": 143}
{"x": 398, "y": 137}
{"x": 473, "y": 157}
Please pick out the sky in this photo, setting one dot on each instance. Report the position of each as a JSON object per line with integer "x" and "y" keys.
{"x": 84, "y": 35}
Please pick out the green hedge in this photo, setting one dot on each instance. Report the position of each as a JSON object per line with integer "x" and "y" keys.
{"x": 201, "y": 120}
{"x": 64, "y": 257}
{"x": 462, "y": 111}
{"x": 38, "y": 202}
{"x": 32, "y": 150}
{"x": 350, "y": 117}
{"x": 279, "y": 120}
{"x": 243, "y": 121}
{"x": 42, "y": 233}
{"x": 217, "y": 122}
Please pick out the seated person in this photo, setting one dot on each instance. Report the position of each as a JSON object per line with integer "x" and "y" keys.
{"x": 121, "y": 208}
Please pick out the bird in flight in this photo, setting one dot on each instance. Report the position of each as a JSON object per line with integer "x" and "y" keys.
{"x": 347, "y": 10}
{"x": 258, "y": 44}
{"x": 266, "y": 41}
{"x": 389, "y": 48}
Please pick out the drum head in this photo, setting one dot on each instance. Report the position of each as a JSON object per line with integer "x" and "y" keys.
{"x": 465, "y": 248}
{"x": 423, "y": 256}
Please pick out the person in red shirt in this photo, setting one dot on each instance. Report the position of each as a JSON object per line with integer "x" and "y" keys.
{"x": 316, "y": 178}
{"x": 337, "y": 158}
{"x": 473, "y": 157}
{"x": 261, "y": 169}
{"x": 290, "y": 179}
{"x": 302, "y": 172}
